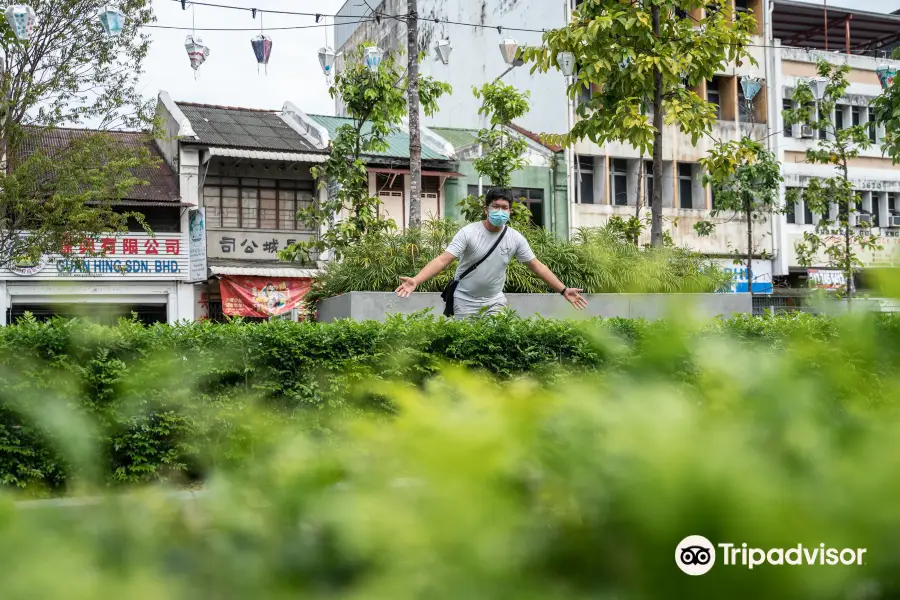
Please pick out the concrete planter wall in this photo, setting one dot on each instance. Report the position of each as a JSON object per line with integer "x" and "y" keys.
{"x": 365, "y": 306}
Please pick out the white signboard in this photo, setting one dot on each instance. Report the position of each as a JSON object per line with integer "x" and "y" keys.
{"x": 197, "y": 243}
{"x": 762, "y": 276}
{"x": 248, "y": 244}
{"x": 826, "y": 279}
{"x": 129, "y": 256}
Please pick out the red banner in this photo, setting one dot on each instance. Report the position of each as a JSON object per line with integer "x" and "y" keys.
{"x": 261, "y": 296}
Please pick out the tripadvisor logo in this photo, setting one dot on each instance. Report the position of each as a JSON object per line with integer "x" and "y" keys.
{"x": 696, "y": 555}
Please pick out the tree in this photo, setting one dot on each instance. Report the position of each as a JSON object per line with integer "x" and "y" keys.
{"x": 415, "y": 133}
{"x": 56, "y": 194}
{"x": 503, "y": 151}
{"x": 832, "y": 198}
{"x": 376, "y": 103}
{"x": 887, "y": 115}
{"x": 745, "y": 178}
{"x": 640, "y": 55}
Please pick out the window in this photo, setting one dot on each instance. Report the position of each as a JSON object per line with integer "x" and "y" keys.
{"x": 584, "y": 95}
{"x": 788, "y": 104}
{"x": 823, "y": 134}
{"x": 256, "y": 203}
{"x": 891, "y": 202}
{"x": 685, "y": 186}
{"x": 807, "y": 214}
{"x": 873, "y": 132}
{"x": 473, "y": 190}
{"x": 586, "y": 179}
{"x": 839, "y": 116}
{"x": 713, "y": 95}
{"x": 160, "y": 219}
{"x": 618, "y": 182}
{"x": 876, "y": 208}
{"x": 854, "y": 112}
{"x": 534, "y": 199}
{"x": 648, "y": 183}
{"x": 742, "y": 5}
{"x": 789, "y": 207}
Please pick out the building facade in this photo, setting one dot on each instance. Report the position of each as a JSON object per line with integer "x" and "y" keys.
{"x": 115, "y": 275}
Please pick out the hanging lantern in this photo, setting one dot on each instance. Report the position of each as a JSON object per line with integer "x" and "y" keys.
{"x": 751, "y": 86}
{"x": 886, "y": 75}
{"x": 196, "y": 52}
{"x": 326, "y": 59}
{"x": 374, "y": 55}
{"x": 566, "y": 62}
{"x": 262, "y": 48}
{"x": 817, "y": 86}
{"x": 443, "y": 49}
{"x": 112, "y": 21}
{"x": 509, "y": 48}
{"x": 21, "y": 19}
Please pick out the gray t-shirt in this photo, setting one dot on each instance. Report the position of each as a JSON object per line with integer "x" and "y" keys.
{"x": 470, "y": 244}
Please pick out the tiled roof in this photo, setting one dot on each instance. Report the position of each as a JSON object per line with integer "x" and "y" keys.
{"x": 161, "y": 186}
{"x": 536, "y": 138}
{"x": 398, "y": 141}
{"x": 243, "y": 128}
{"x": 458, "y": 138}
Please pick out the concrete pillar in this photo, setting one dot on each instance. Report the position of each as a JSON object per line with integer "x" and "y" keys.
{"x": 634, "y": 177}
{"x": 181, "y": 302}
{"x": 189, "y": 175}
{"x": 4, "y": 302}
{"x": 883, "y": 213}
{"x": 601, "y": 177}
{"x": 669, "y": 185}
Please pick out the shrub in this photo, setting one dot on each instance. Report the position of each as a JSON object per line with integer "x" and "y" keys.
{"x": 597, "y": 261}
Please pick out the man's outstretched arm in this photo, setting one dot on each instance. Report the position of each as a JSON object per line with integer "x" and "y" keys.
{"x": 573, "y": 295}
{"x": 437, "y": 265}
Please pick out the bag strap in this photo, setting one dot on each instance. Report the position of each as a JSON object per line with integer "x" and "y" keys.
{"x": 485, "y": 257}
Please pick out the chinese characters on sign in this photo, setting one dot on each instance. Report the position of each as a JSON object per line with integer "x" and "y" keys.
{"x": 249, "y": 245}
{"x": 128, "y": 246}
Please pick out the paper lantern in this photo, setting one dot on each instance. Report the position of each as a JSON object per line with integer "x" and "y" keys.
{"x": 751, "y": 87}
{"x": 326, "y": 59}
{"x": 112, "y": 21}
{"x": 262, "y": 48}
{"x": 566, "y": 62}
{"x": 374, "y": 56}
{"x": 443, "y": 49}
{"x": 509, "y": 48}
{"x": 886, "y": 75}
{"x": 196, "y": 52}
{"x": 21, "y": 19}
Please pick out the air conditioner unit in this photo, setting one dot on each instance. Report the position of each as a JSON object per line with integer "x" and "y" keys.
{"x": 864, "y": 220}
{"x": 894, "y": 221}
{"x": 807, "y": 131}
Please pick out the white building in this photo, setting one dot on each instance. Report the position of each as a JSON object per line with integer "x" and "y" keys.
{"x": 476, "y": 57}
{"x": 136, "y": 273}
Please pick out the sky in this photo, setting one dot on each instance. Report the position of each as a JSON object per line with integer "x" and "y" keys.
{"x": 229, "y": 75}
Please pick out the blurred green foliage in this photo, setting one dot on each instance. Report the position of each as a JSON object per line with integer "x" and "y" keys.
{"x": 565, "y": 484}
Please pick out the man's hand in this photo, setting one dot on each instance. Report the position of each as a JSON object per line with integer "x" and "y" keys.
{"x": 573, "y": 295}
{"x": 407, "y": 287}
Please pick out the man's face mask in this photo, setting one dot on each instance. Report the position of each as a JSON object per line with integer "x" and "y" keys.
{"x": 498, "y": 217}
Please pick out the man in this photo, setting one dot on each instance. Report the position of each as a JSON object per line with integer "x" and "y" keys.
{"x": 483, "y": 287}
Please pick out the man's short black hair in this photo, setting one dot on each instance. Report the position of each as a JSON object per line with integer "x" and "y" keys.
{"x": 497, "y": 194}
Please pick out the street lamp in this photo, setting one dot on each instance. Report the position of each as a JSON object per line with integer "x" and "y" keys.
{"x": 112, "y": 21}
{"x": 817, "y": 86}
{"x": 21, "y": 19}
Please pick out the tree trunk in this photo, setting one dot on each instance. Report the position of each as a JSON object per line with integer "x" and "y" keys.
{"x": 415, "y": 138}
{"x": 656, "y": 206}
{"x": 749, "y": 246}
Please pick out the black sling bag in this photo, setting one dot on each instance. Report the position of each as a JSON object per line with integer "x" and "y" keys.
{"x": 447, "y": 294}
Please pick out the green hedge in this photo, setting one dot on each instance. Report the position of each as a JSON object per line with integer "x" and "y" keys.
{"x": 169, "y": 403}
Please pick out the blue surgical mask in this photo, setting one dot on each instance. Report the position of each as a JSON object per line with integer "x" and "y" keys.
{"x": 497, "y": 217}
